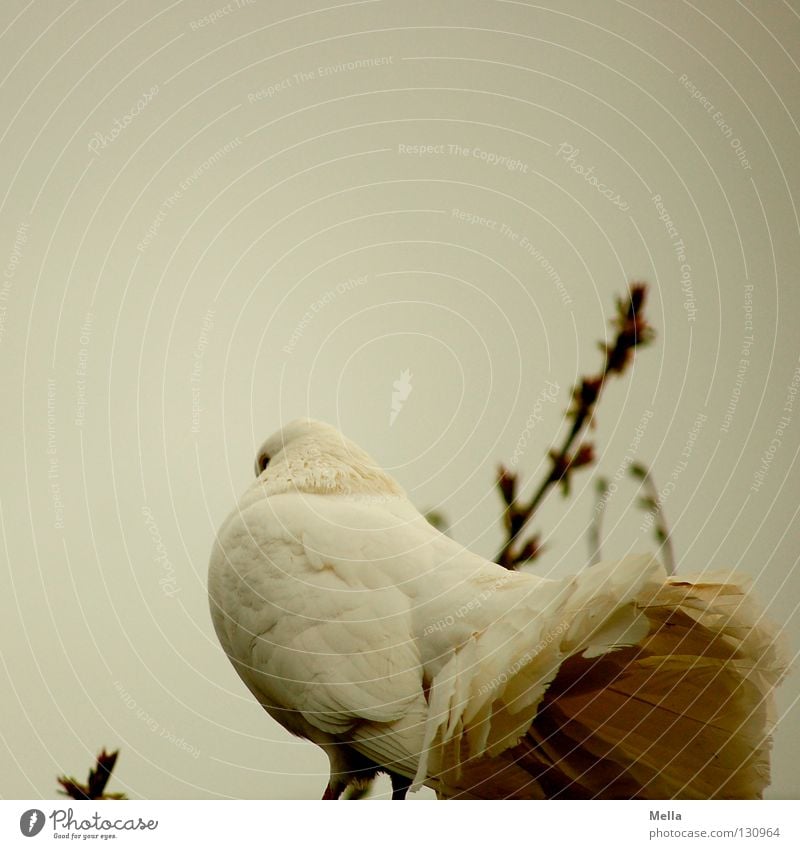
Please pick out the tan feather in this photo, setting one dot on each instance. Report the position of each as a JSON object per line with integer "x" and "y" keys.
{"x": 684, "y": 713}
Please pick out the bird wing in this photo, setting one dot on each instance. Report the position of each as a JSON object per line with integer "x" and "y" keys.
{"x": 339, "y": 611}
{"x": 314, "y": 626}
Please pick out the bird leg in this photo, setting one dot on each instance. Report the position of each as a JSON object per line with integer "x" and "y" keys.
{"x": 400, "y": 785}
{"x": 330, "y": 793}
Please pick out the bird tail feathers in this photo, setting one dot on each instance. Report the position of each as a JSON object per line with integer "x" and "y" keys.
{"x": 652, "y": 687}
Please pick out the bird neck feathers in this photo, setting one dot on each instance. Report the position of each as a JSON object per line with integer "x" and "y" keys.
{"x": 337, "y": 467}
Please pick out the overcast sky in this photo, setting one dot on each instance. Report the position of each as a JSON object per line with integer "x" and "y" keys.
{"x": 217, "y": 218}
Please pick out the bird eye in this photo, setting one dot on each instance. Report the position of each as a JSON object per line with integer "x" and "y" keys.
{"x": 261, "y": 463}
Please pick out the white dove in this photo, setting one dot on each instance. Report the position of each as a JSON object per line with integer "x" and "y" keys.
{"x": 360, "y": 627}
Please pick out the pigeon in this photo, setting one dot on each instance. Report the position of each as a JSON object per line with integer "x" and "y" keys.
{"x": 361, "y": 628}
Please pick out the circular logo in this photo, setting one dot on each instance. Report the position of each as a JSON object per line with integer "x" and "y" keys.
{"x": 31, "y": 822}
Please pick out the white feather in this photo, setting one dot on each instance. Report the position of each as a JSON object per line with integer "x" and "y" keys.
{"x": 359, "y": 626}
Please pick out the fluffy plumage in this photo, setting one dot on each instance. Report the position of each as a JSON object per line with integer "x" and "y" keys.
{"x": 360, "y": 627}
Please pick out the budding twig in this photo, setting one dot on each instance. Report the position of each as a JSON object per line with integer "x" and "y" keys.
{"x": 632, "y": 331}
{"x": 96, "y": 783}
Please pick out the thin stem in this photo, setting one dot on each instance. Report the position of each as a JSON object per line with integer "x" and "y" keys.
{"x": 651, "y": 502}
{"x": 632, "y": 332}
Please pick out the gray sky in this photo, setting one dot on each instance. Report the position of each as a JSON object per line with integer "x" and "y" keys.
{"x": 216, "y": 218}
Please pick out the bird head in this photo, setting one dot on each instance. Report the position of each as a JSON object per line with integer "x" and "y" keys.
{"x": 311, "y": 456}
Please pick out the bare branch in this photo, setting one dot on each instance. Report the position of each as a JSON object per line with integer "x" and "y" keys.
{"x": 632, "y": 332}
